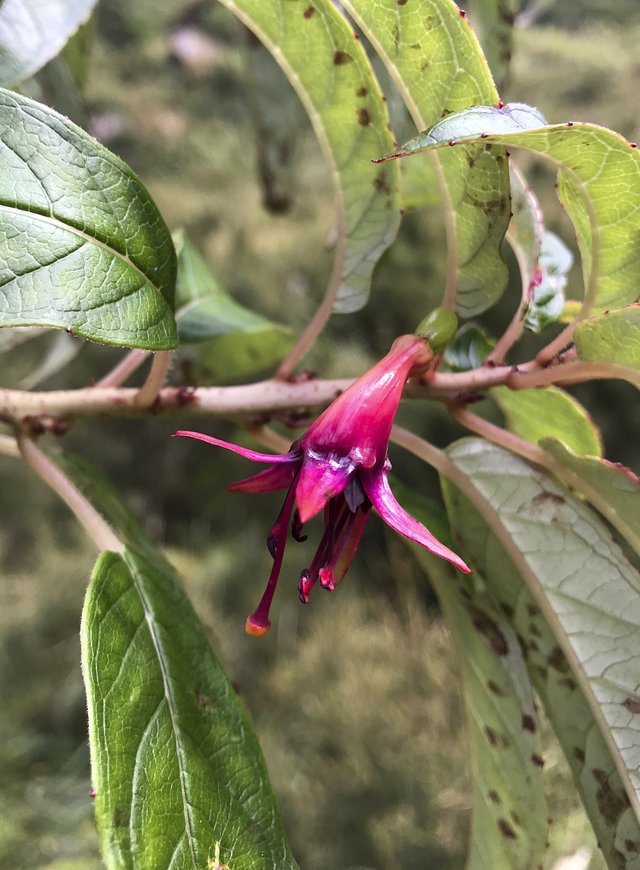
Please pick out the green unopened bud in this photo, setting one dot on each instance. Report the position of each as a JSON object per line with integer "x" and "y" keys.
{"x": 438, "y": 327}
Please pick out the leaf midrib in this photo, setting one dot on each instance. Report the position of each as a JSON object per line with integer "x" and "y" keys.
{"x": 87, "y": 237}
{"x": 171, "y": 702}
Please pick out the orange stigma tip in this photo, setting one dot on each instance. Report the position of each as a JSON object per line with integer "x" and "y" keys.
{"x": 255, "y": 629}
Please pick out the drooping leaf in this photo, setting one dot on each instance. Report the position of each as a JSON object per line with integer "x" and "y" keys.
{"x": 175, "y": 763}
{"x": 509, "y": 812}
{"x": 613, "y": 337}
{"x": 32, "y": 32}
{"x": 612, "y": 489}
{"x": 585, "y": 590}
{"x": 228, "y": 341}
{"x": 437, "y": 64}
{"x": 469, "y": 349}
{"x": 82, "y": 246}
{"x": 494, "y": 20}
{"x": 331, "y": 74}
{"x": 535, "y": 414}
{"x": 598, "y": 184}
{"x": 577, "y": 729}
{"x": 176, "y": 766}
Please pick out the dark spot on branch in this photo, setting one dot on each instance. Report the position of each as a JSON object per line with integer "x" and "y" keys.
{"x": 632, "y": 845}
{"x": 528, "y": 723}
{"x": 534, "y": 630}
{"x": 578, "y": 754}
{"x": 380, "y": 182}
{"x": 537, "y": 760}
{"x": 309, "y": 11}
{"x": 495, "y": 688}
{"x": 494, "y": 797}
{"x": 532, "y": 610}
{"x": 361, "y": 92}
{"x": 363, "y": 118}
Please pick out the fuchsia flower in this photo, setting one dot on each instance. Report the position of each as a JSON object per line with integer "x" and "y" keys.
{"x": 339, "y": 465}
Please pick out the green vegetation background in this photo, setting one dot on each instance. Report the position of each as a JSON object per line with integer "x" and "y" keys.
{"x": 355, "y": 697}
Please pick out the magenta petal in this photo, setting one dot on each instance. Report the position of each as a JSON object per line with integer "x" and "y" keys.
{"x": 320, "y": 479}
{"x": 271, "y": 458}
{"x": 377, "y": 488}
{"x": 269, "y": 480}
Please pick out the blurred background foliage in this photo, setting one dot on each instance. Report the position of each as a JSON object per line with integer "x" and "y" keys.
{"x": 355, "y": 697}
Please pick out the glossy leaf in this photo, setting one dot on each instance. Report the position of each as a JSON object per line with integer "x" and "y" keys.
{"x": 32, "y": 32}
{"x": 590, "y": 759}
{"x": 584, "y": 588}
{"x": 611, "y": 488}
{"x": 469, "y": 349}
{"x": 175, "y": 764}
{"x": 438, "y": 66}
{"x": 82, "y": 246}
{"x": 535, "y": 414}
{"x": 331, "y": 74}
{"x": 613, "y": 337}
{"x": 228, "y": 340}
{"x": 598, "y": 184}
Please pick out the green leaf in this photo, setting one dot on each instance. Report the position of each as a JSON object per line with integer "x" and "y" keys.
{"x": 509, "y": 810}
{"x": 598, "y": 184}
{"x": 469, "y": 349}
{"x": 327, "y": 66}
{"x": 589, "y": 756}
{"x": 229, "y": 341}
{"x": 82, "y": 245}
{"x": 439, "y": 68}
{"x": 32, "y": 32}
{"x": 175, "y": 763}
{"x": 583, "y": 587}
{"x": 535, "y": 414}
{"x": 613, "y": 337}
{"x": 494, "y": 20}
{"x": 611, "y": 488}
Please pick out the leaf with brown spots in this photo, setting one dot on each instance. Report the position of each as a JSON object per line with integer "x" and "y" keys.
{"x": 329, "y": 69}
{"x": 572, "y": 584}
{"x": 438, "y": 66}
{"x": 509, "y": 816}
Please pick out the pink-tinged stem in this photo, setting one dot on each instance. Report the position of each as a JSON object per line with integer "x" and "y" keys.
{"x": 148, "y": 392}
{"x": 124, "y": 369}
{"x": 89, "y": 518}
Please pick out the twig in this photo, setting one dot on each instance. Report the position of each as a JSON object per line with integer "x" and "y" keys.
{"x": 148, "y": 392}
{"x": 318, "y": 322}
{"x": 269, "y": 438}
{"x": 92, "y": 522}
{"x": 9, "y": 446}
{"x": 126, "y": 367}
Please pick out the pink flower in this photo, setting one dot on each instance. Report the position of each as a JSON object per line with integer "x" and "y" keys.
{"x": 339, "y": 465}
